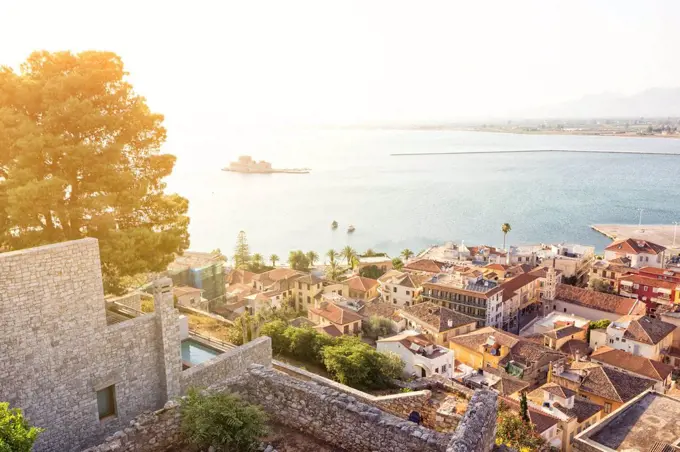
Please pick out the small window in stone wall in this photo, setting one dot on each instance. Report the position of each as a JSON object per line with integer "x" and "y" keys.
{"x": 106, "y": 402}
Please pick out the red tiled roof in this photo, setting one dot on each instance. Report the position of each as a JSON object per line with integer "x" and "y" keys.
{"x": 329, "y": 330}
{"x": 635, "y": 246}
{"x": 499, "y": 267}
{"x": 650, "y": 281}
{"x": 656, "y": 370}
{"x": 598, "y": 300}
{"x": 361, "y": 283}
{"x": 513, "y": 285}
{"x": 277, "y": 274}
{"x": 648, "y": 330}
{"x": 426, "y": 265}
{"x": 336, "y": 314}
{"x": 614, "y": 384}
{"x": 437, "y": 317}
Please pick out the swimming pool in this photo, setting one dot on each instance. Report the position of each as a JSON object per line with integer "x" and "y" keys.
{"x": 194, "y": 352}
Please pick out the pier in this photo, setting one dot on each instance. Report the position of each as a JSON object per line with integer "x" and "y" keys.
{"x": 535, "y": 151}
{"x": 657, "y": 233}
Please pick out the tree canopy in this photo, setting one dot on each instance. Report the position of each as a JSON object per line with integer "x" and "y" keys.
{"x": 371, "y": 271}
{"x": 223, "y": 421}
{"x": 16, "y": 435}
{"x": 80, "y": 157}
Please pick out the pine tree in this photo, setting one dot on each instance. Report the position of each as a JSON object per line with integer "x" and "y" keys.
{"x": 524, "y": 407}
{"x": 242, "y": 251}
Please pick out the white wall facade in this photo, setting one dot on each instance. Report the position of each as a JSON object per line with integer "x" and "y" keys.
{"x": 494, "y": 310}
{"x": 616, "y": 340}
{"x": 577, "y": 310}
{"x": 637, "y": 260}
{"x": 397, "y": 295}
{"x": 440, "y": 365}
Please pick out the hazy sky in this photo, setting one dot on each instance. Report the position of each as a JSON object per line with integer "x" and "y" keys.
{"x": 249, "y": 61}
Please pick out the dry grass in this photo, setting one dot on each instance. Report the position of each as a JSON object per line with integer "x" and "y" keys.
{"x": 208, "y": 327}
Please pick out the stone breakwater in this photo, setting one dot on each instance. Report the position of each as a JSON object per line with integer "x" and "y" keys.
{"x": 327, "y": 414}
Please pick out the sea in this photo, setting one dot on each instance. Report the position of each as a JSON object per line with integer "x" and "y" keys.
{"x": 398, "y": 202}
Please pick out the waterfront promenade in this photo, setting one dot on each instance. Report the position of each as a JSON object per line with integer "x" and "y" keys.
{"x": 657, "y": 233}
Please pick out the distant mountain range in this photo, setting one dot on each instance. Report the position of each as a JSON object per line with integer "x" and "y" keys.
{"x": 654, "y": 102}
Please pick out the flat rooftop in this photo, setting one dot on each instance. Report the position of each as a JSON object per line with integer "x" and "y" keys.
{"x": 648, "y": 419}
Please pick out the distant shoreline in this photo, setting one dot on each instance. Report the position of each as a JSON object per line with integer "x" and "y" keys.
{"x": 566, "y": 132}
{"x": 535, "y": 151}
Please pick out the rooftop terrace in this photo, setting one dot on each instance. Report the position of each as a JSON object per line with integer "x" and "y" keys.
{"x": 646, "y": 420}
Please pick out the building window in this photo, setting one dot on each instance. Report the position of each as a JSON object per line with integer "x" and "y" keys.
{"x": 106, "y": 402}
{"x": 394, "y": 290}
{"x": 436, "y": 370}
{"x": 346, "y": 329}
{"x": 408, "y": 292}
{"x": 565, "y": 309}
{"x": 444, "y": 368}
{"x": 607, "y": 408}
{"x": 309, "y": 299}
{"x": 611, "y": 341}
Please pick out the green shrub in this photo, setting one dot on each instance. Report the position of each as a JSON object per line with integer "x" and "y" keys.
{"x": 223, "y": 421}
{"x": 15, "y": 433}
{"x": 276, "y": 331}
{"x": 359, "y": 365}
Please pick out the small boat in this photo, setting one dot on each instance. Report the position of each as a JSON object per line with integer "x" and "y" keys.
{"x": 334, "y": 225}
{"x": 350, "y": 229}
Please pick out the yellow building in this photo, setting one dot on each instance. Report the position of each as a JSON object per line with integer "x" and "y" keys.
{"x": 575, "y": 414}
{"x": 362, "y": 288}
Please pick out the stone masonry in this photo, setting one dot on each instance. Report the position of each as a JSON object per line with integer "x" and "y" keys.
{"x": 57, "y": 351}
{"x": 333, "y": 416}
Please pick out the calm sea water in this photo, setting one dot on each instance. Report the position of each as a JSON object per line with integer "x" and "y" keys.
{"x": 398, "y": 202}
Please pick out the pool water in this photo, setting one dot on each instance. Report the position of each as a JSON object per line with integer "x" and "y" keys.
{"x": 195, "y": 353}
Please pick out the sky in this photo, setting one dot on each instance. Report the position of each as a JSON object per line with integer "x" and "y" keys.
{"x": 341, "y": 62}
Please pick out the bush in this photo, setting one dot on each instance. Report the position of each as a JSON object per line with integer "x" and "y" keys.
{"x": 517, "y": 434}
{"x": 371, "y": 271}
{"x": 223, "y": 421}
{"x": 16, "y": 435}
{"x": 377, "y": 327}
{"x": 276, "y": 331}
{"x": 357, "y": 364}
{"x": 600, "y": 285}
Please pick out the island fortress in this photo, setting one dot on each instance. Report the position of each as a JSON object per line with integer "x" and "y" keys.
{"x": 104, "y": 375}
{"x": 246, "y": 164}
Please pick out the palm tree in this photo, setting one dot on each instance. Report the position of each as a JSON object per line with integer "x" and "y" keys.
{"x": 505, "y": 228}
{"x": 312, "y": 257}
{"x": 331, "y": 254}
{"x": 406, "y": 254}
{"x": 257, "y": 259}
{"x": 348, "y": 253}
{"x": 274, "y": 259}
{"x": 333, "y": 271}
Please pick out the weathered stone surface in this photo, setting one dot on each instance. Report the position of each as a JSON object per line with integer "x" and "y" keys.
{"x": 477, "y": 430}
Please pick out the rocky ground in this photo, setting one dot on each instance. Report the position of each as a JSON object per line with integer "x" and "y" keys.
{"x": 285, "y": 439}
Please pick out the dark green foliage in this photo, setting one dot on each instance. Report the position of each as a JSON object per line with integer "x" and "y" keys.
{"x": 524, "y": 407}
{"x": 597, "y": 325}
{"x": 359, "y": 365}
{"x": 298, "y": 260}
{"x": 371, "y": 271}
{"x": 80, "y": 157}
{"x": 600, "y": 285}
{"x": 397, "y": 263}
{"x": 378, "y": 327}
{"x": 346, "y": 358}
{"x": 223, "y": 421}
{"x": 15, "y": 433}
{"x": 276, "y": 331}
{"x": 241, "y": 252}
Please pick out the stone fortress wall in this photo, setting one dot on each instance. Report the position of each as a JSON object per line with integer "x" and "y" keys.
{"x": 57, "y": 351}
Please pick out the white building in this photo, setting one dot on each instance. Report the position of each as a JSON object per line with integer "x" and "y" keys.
{"x": 556, "y": 320}
{"x": 642, "y": 253}
{"x": 421, "y": 356}
{"x": 398, "y": 288}
{"x": 639, "y": 335}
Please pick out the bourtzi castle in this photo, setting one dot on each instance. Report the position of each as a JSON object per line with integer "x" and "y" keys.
{"x": 84, "y": 370}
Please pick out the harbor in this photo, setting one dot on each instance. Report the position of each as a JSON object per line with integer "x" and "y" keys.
{"x": 665, "y": 235}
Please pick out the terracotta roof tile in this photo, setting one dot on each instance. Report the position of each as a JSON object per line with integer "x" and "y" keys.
{"x": 575, "y": 346}
{"x": 614, "y": 384}
{"x": 514, "y": 284}
{"x": 635, "y": 246}
{"x": 426, "y": 265}
{"x": 648, "y": 330}
{"x": 598, "y": 300}
{"x": 336, "y": 314}
{"x": 437, "y": 316}
{"x": 560, "y": 333}
{"x": 361, "y": 283}
{"x": 640, "y": 365}
{"x": 582, "y": 409}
